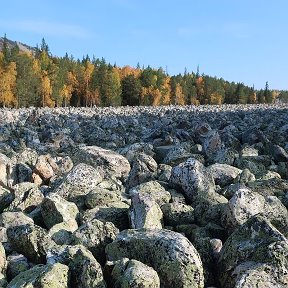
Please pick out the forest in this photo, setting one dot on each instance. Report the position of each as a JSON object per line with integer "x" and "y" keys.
{"x": 40, "y": 79}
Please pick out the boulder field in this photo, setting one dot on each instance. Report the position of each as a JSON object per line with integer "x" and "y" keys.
{"x": 174, "y": 196}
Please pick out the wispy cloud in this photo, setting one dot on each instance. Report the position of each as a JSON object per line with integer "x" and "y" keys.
{"x": 46, "y": 28}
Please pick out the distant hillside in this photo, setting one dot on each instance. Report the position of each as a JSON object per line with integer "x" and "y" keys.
{"x": 23, "y": 47}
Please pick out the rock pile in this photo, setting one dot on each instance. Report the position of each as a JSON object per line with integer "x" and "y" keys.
{"x": 144, "y": 197}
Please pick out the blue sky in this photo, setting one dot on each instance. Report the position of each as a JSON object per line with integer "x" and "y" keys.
{"x": 238, "y": 40}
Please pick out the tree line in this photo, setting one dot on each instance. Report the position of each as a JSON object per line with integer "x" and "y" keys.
{"x": 40, "y": 79}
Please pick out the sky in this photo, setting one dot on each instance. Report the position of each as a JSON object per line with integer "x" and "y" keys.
{"x": 237, "y": 40}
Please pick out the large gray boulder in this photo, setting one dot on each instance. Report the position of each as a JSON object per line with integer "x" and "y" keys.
{"x": 153, "y": 189}
{"x": 144, "y": 169}
{"x": 55, "y": 209}
{"x": 177, "y": 213}
{"x": 255, "y": 242}
{"x": 107, "y": 162}
{"x": 30, "y": 240}
{"x": 115, "y": 212}
{"x": 78, "y": 182}
{"x": 27, "y": 197}
{"x": 172, "y": 256}
{"x": 4, "y": 168}
{"x": 131, "y": 273}
{"x": 193, "y": 178}
{"x": 223, "y": 174}
{"x": 101, "y": 196}
{"x": 84, "y": 269}
{"x": 42, "y": 276}
{"x": 6, "y": 198}
{"x": 144, "y": 212}
{"x": 95, "y": 236}
{"x": 16, "y": 263}
{"x": 245, "y": 204}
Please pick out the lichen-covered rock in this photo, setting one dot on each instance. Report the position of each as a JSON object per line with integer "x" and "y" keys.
{"x": 211, "y": 144}
{"x": 6, "y": 198}
{"x": 193, "y": 178}
{"x": 270, "y": 187}
{"x": 3, "y": 264}
{"x": 164, "y": 172}
{"x": 42, "y": 276}
{"x": 101, "y": 196}
{"x": 260, "y": 275}
{"x": 177, "y": 213}
{"x": 144, "y": 212}
{"x": 172, "y": 256}
{"x": 95, "y": 236}
{"x": 30, "y": 240}
{"x": 61, "y": 233}
{"x": 55, "y": 209}
{"x": 84, "y": 270}
{"x": 279, "y": 154}
{"x": 16, "y": 263}
{"x": 245, "y": 177}
{"x": 223, "y": 174}
{"x": 256, "y": 164}
{"x": 107, "y": 162}
{"x": 115, "y": 212}
{"x": 256, "y": 241}
{"x": 209, "y": 208}
{"x": 131, "y": 273}
{"x": 144, "y": 169}
{"x": 153, "y": 189}
{"x": 78, "y": 182}
{"x": 245, "y": 204}
{"x": 4, "y": 168}
{"x": 131, "y": 152}
{"x": 27, "y": 197}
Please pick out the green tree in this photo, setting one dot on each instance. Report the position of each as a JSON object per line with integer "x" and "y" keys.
{"x": 131, "y": 90}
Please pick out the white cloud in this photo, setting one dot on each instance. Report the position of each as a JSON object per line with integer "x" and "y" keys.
{"x": 45, "y": 28}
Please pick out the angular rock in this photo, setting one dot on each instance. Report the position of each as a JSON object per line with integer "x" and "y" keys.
{"x": 30, "y": 240}
{"x": 115, "y": 212}
{"x": 4, "y": 169}
{"x": 45, "y": 167}
{"x": 172, "y": 256}
{"x": 223, "y": 174}
{"x": 153, "y": 189}
{"x": 132, "y": 273}
{"x": 78, "y": 182}
{"x": 144, "y": 169}
{"x": 95, "y": 236}
{"x": 107, "y": 162}
{"x": 256, "y": 241}
{"x": 62, "y": 233}
{"x": 6, "y": 198}
{"x": 101, "y": 196}
{"x": 44, "y": 276}
{"x": 144, "y": 212}
{"x": 84, "y": 270}
{"x": 27, "y": 197}
{"x": 16, "y": 263}
{"x": 56, "y": 209}
{"x": 177, "y": 214}
{"x": 245, "y": 204}
{"x": 193, "y": 178}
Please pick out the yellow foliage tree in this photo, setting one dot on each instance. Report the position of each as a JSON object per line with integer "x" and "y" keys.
{"x": 46, "y": 91}
{"x": 7, "y": 85}
{"x": 179, "y": 95}
{"x": 166, "y": 91}
{"x": 87, "y": 77}
{"x": 216, "y": 99}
